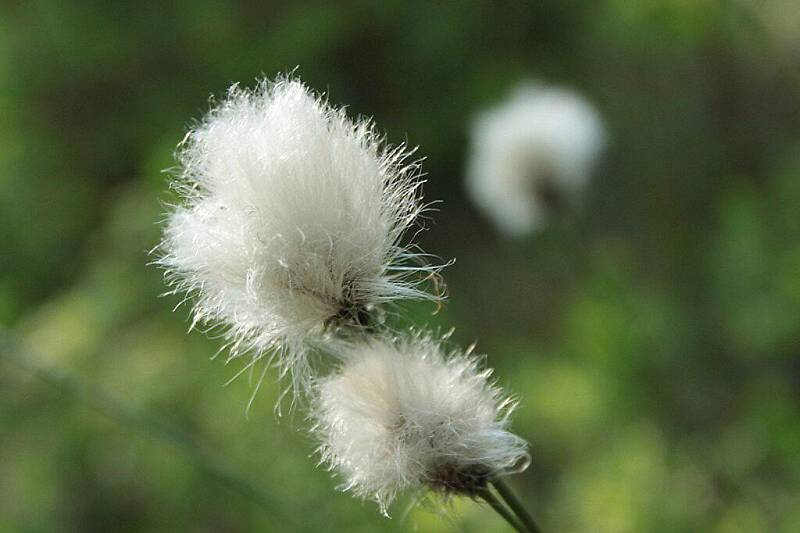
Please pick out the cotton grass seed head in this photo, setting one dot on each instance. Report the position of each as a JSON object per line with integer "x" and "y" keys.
{"x": 532, "y": 154}
{"x": 403, "y": 414}
{"x": 291, "y": 222}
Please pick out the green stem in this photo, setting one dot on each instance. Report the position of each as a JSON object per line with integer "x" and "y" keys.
{"x": 11, "y": 350}
{"x": 513, "y": 502}
{"x": 495, "y": 504}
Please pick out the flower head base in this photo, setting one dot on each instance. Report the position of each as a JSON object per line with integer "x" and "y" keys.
{"x": 291, "y": 222}
{"x": 531, "y": 155}
{"x": 404, "y": 415}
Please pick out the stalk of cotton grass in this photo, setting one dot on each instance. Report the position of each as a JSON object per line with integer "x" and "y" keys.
{"x": 404, "y": 414}
{"x": 291, "y": 234}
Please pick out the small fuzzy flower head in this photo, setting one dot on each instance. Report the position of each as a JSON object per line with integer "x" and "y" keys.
{"x": 531, "y": 155}
{"x": 291, "y": 222}
{"x": 404, "y": 414}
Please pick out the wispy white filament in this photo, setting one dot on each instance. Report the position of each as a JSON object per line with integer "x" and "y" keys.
{"x": 536, "y": 148}
{"x": 291, "y": 222}
{"x": 403, "y": 414}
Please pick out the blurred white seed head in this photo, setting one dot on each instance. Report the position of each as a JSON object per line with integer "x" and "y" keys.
{"x": 404, "y": 414}
{"x": 532, "y": 153}
{"x": 291, "y": 222}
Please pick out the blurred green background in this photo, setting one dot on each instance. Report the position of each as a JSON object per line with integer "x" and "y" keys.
{"x": 652, "y": 337}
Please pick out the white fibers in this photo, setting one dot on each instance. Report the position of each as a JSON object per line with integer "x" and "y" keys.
{"x": 291, "y": 222}
{"x": 403, "y": 414}
{"x": 532, "y": 153}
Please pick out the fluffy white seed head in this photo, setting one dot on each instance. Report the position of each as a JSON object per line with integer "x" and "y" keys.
{"x": 532, "y": 153}
{"x": 404, "y": 414}
{"x": 291, "y": 221}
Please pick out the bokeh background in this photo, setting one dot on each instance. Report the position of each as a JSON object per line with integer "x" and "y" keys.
{"x": 652, "y": 336}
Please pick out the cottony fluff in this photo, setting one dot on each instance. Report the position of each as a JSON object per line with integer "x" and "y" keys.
{"x": 403, "y": 414}
{"x": 291, "y": 222}
{"x": 532, "y": 153}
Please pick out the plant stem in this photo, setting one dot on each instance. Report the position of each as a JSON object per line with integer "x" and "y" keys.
{"x": 489, "y": 498}
{"x": 202, "y": 458}
{"x": 513, "y": 502}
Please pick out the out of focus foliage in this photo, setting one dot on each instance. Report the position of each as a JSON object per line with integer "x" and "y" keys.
{"x": 652, "y": 337}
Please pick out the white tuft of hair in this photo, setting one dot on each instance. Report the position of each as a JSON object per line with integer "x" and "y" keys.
{"x": 291, "y": 223}
{"x": 404, "y": 414}
{"x": 534, "y": 150}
